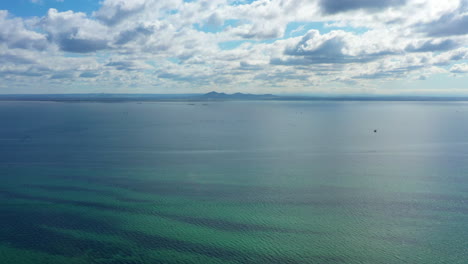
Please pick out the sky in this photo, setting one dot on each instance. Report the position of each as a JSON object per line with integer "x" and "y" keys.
{"x": 337, "y": 47}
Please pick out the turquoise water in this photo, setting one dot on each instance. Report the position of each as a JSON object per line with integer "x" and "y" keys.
{"x": 234, "y": 182}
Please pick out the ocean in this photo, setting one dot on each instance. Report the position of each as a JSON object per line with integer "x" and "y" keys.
{"x": 234, "y": 182}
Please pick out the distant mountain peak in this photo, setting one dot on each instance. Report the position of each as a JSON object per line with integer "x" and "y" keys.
{"x": 213, "y": 93}
{"x": 236, "y": 96}
{"x": 217, "y": 93}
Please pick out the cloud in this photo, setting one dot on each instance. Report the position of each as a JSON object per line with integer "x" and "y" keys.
{"x": 128, "y": 65}
{"x": 448, "y": 25}
{"x": 11, "y": 58}
{"x": 129, "y": 35}
{"x": 316, "y": 45}
{"x": 122, "y": 65}
{"x": 78, "y": 45}
{"x": 26, "y": 73}
{"x": 448, "y": 18}
{"x": 88, "y": 74}
{"x": 194, "y": 78}
{"x": 117, "y": 12}
{"x": 245, "y": 65}
{"x": 62, "y": 75}
{"x": 215, "y": 20}
{"x": 449, "y": 57}
{"x": 74, "y": 32}
{"x": 24, "y": 70}
{"x": 114, "y": 12}
{"x": 336, "y": 47}
{"x": 459, "y": 68}
{"x": 259, "y": 30}
{"x": 15, "y": 35}
{"x": 161, "y": 44}
{"x": 433, "y": 45}
{"x": 338, "y": 6}
{"x": 389, "y": 73}
{"x": 281, "y": 76}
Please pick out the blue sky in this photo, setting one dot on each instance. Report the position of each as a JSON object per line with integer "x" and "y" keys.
{"x": 263, "y": 46}
{"x": 28, "y": 8}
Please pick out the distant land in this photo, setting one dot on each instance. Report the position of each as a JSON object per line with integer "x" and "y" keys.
{"x": 213, "y": 96}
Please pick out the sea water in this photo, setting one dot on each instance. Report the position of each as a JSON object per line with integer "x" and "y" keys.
{"x": 234, "y": 182}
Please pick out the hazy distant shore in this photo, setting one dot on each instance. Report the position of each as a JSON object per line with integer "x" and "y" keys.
{"x": 212, "y": 96}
